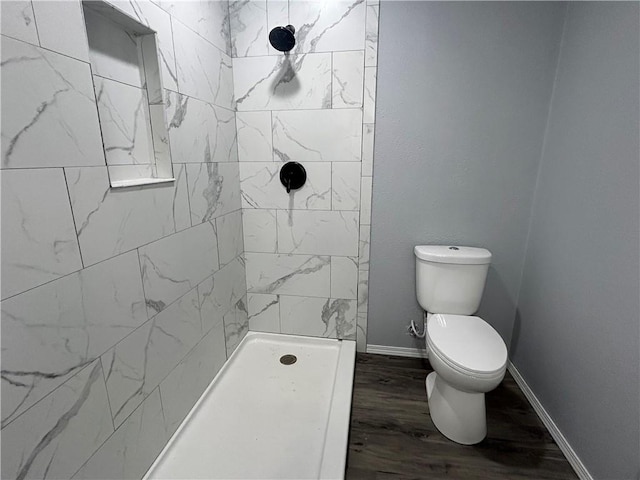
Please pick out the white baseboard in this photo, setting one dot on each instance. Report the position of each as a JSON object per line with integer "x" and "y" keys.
{"x": 399, "y": 351}
{"x": 555, "y": 432}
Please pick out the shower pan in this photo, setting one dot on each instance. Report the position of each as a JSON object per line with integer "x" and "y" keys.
{"x": 279, "y": 408}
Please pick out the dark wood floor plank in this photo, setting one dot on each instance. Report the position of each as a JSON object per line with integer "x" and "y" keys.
{"x": 392, "y": 435}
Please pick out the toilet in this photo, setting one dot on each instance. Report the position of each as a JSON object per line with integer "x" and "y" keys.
{"x": 468, "y": 356}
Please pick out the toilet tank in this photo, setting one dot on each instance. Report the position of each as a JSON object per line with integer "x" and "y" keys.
{"x": 450, "y": 279}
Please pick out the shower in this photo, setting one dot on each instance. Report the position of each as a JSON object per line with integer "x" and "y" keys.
{"x": 282, "y": 38}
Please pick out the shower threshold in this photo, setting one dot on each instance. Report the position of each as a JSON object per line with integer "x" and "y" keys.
{"x": 267, "y": 418}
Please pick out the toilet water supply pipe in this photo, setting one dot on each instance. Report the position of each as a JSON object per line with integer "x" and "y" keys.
{"x": 413, "y": 329}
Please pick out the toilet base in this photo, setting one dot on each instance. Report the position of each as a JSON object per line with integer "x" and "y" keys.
{"x": 460, "y": 416}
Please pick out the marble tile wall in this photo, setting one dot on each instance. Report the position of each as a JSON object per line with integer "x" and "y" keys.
{"x": 307, "y": 264}
{"x": 119, "y": 306}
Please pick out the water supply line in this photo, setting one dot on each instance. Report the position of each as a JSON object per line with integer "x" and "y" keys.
{"x": 413, "y": 329}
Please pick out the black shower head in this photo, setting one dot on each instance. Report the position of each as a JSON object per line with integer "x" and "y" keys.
{"x": 282, "y": 38}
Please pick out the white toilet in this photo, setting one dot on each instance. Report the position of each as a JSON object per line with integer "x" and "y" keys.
{"x": 469, "y": 357}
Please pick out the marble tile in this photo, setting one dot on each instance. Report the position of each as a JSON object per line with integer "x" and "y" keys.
{"x": 328, "y": 26}
{"x": 363, "y": 291}
{"x": 199, "y": 131}
{"x": 70, "y": 40}
{"x": 181, "y": 209}
{"x": 18, "y": 20}
{"x": 361, "y": 332}
{"x": 38, "y": 236}
{"x": 261, "y": 187}
{"x": 208, "y": 18}
{"x": 137, "y": 365}
{"x": 362, "y": 316}
{"x": 369, "y": 106}
{"x": 186, "y": 383}
{"x": 260, "y": 231}
{"x": 218, "y": 294}
{"x": 318, "y": 135}
{"x": 365, "y": 201}
{"x": 49, "y": 116}
{"x": 318, "y": 233}
{"x": 254, "y": 137}
{"x": 112, "y": 221}
{"x": 318, "y": 317}
{"x": 152, "y": 16}
{"x": 345, "y": 185}
{"x": 125, "y": 123}
{"x": 371, "y": 36}
{"x": 213, "y": 190}
{"x": 344, "y": 277}
{"x": 236, "y": 325}
{"x": 160, "y": 142}
{"x": 203, "y": 71}
{"x": 367, "y": 149}
{"x": 115, "y": 53}
{"x": 264, "y": 312}
{"x": 308, "y": 275}
{"x": 282, "y": 82}
{"x": 347, "y": 79}
{"x": 363, "y": 250}
{"x": 61, "y": 432}
{"x": 277, "y": 15}
{"x": 176, "y": 264}
{"x": 230, "y": 243}
{"x": 249, "y": 35}
{"x": 50, "y": 332}
{"x": 133, "y": 447}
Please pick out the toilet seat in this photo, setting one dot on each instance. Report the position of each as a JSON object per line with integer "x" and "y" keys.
{"x": 467, "y": 344}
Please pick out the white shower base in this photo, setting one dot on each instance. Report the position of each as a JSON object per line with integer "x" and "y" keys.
{"x": 259, "y": 419}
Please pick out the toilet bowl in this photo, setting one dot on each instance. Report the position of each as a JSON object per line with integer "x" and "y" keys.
{"x": 469, "y": 359}
{"x": 468, "y": 356}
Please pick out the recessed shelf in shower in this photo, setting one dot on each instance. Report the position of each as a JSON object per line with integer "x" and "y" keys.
{"x": 126, "y": 77}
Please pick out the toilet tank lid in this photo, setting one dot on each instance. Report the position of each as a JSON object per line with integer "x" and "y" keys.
{"x": 453, "y": 254}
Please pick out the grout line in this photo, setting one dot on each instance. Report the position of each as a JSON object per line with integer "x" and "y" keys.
{"x": 173, "y": 49}
{"x": 35, "y": 23}
{"x": 120, "y": 82}
{"x": 104, "y": 377}
{"x": 108, "y": 259}
{"x": 73, "y": 219}
{"x": 301, "y": 54}
{"x": 302, "y": 110}
{"x": 164, "y": 416}
{"x": 109, "y": 436}
{"x": 71, "y": 375}
{"x": 144, "y": 293}
{"x": 173, "y": 17}
{"x": 46, "y": 49}
{"x": 186, "y": 181}
{"x": 197, "y": 99}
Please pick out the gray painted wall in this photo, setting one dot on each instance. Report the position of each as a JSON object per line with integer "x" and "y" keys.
{"x": 576, "y": 335}
{"x": 463, "y": 97}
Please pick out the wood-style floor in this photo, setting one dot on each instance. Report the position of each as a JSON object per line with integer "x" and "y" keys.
{"x": 393, "y": 437}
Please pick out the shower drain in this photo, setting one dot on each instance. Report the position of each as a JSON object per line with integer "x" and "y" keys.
{"x": 288, "y": 359}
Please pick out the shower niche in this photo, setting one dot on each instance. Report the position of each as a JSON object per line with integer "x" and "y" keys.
{"x": 126, "y": 76}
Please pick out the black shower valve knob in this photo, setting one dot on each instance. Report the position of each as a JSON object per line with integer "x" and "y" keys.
{"x": 293, "y": 175}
